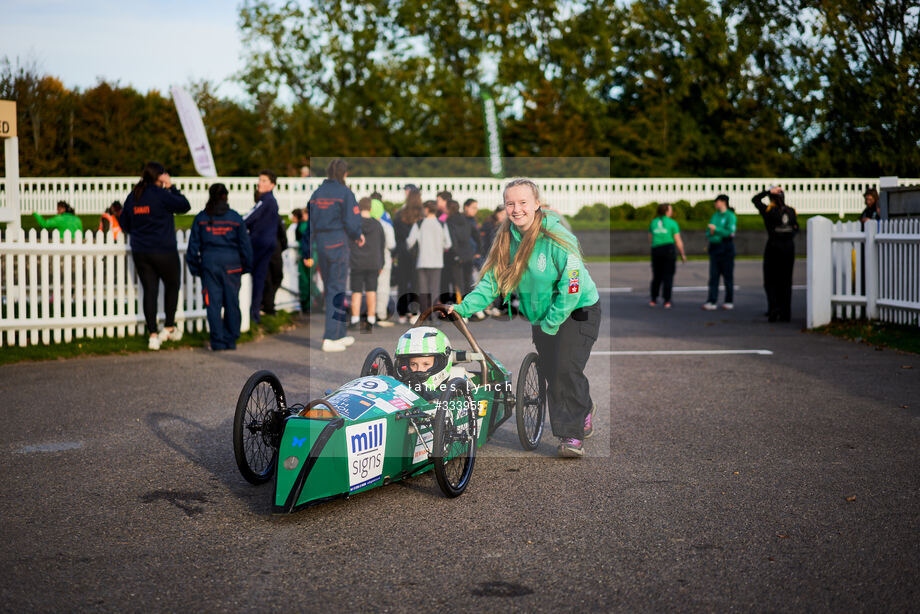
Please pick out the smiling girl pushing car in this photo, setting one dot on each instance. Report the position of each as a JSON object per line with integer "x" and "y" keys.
{"x": 536, "y": 257}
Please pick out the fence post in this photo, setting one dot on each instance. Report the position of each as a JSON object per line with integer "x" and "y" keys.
{"x": 819, "y": 271}
{"x": 245, "y": 301}
{"x": 872, "y": 270}
{"x": 840, "y": 200}
{"x": 11, "y": 159}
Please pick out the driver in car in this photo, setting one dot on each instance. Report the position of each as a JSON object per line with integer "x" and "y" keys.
{"x": 423, "y": 361}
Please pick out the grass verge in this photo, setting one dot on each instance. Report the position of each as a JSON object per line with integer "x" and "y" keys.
{"x": 270, "y": 325}
{"x": 879, "y": 334}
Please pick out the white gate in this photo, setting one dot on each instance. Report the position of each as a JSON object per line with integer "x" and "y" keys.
{"x": 872, "y": 272}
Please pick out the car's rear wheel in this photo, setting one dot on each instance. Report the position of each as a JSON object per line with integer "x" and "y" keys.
{"x": 530, "y": 402}
{"x": 378, "y": 362}
{"x": 454, "y": 443}
{"x": 257, "y": 426}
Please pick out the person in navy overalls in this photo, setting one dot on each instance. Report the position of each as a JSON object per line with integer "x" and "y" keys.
{"x": 334, "y": 220}
{"x": 219, "y": 251}
{"x": 262, "y": 223}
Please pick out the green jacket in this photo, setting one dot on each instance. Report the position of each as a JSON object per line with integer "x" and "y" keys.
{"x": 555, "y": 284}
{"x": 726, "y": 224}
{"x": 65, "y": 222}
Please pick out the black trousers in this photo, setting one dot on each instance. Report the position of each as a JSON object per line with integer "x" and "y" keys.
{"x": 466, "y": 278}
{"x": 563, "y": 357}
{"x": 721, "y": 264}
{"x": 460, "y": 280}
{"x": 261, "y": 258}
{"x": 151, "y": 269}
{"x": 664, "y": 258}
{"x": 778, "y": 260}
{"x": 404, "y": 270}
{"x": 273, "y": 280}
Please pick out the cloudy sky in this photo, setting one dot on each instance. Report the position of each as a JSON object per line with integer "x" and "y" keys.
{"x": 147, "y": 45}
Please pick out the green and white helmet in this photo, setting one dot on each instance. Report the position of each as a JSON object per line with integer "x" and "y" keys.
{"x": 419, "y": 342}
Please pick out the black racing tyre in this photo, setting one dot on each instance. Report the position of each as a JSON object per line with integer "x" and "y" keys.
{"x": 530, "y": 402}
{"x": 454, "y": 442}
{"x": 257, "y": 426}
{"x": 378, "y": 362}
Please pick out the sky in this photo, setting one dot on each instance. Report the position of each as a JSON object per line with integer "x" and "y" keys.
{"x": 146, "y": 45}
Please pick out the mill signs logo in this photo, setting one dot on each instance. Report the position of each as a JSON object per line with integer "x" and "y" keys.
{"x": 366, "y": 448}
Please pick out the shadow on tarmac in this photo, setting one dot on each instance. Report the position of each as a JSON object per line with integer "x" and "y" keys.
{"x": 207, "y": 447}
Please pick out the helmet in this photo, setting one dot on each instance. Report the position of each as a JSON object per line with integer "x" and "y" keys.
{"x": 423, "y": 341}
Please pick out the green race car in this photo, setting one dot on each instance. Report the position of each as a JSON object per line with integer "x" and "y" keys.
{"x": 395, "y": 421}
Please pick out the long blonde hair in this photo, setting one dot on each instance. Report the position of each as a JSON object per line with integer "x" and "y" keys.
{"x": 508, "y": 273}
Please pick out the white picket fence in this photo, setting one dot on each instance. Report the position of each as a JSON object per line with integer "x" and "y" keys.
{"x": 855, "y": 273}
{"x": 56, "y": 289}
{"x": 91, "y": 195}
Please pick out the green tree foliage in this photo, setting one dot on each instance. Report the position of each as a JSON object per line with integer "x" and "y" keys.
{"x": 691, "y": 103}
{"x": 855, "y": 74}
{"x": 44, "y": 117}
{"x": 652, "y": 87}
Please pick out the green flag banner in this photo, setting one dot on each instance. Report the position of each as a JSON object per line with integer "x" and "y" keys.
{"x": 493, "y": 137}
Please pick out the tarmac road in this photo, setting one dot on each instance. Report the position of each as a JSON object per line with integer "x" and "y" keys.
{"x": 717, "y": 482}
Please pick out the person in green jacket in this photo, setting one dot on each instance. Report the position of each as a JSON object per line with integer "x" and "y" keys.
{"x": 301, "y": 229}
{"x": 721, "y": 235}
{"x": 534, "y": 255}
{"x": 664, "y": 236}
{"x": 65, "y": 220}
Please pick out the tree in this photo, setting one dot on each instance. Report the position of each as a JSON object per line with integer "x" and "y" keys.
{"x": 45, "y": 121}
{"x": 691, "y": 101}
{"x": 853, "y": 70}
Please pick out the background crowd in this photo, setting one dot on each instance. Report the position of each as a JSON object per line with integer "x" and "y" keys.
{"x": 353, "y": 253}
{"x": 430, "y": 250}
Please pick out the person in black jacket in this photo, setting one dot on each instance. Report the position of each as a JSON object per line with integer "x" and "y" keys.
{"x": 334, "y": 221}
{"x": 147, "y": 217}
{"x": 404, "y": 269}
{"x": 275, "y": 270}
{"x": 262, "y": 223}
{"x": 458, "y": 261}
{"x": 487, "y": 234}
{"x": 779, "y": 253}
{"x": 219, "y": 252}
{"x": 365, "y": 262}
{"x": 871, "y": 212}
{"x": 470, "y": 209}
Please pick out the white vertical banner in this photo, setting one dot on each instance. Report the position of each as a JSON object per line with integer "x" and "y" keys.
{"x": 493, "y": 133}
{"x": 193, "y": 128}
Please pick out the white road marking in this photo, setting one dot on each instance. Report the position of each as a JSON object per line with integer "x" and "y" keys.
{"x": 679, "y": 352}
{"x": 679, "y": 289}
{"x": 51, "y": 447}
